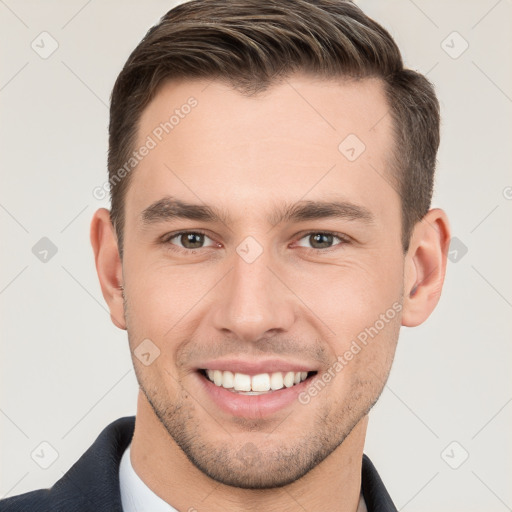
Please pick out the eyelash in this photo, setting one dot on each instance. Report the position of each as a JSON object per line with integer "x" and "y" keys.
{"x": 344, "y": 239}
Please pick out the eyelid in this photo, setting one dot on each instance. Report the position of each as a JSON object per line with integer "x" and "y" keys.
{"x": 166, "y": 239}
{"x": 344, "y": 239}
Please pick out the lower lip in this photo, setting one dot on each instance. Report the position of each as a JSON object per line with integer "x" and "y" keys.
{"x": 252, "y": 406}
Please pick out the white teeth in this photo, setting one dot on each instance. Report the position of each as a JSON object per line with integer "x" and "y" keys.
{"x": 260, "y": 382}
{"x": 227, "y": 379}
{"x": 276, "y": 381}
{"x": 289, "y": 379}
{"x": 242, "y": 382}
{"x": 217, "y": 377}
{"x": 257, "y": 384}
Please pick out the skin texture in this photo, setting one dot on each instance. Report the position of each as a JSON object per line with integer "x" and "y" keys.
{"x": 247, "y": 156}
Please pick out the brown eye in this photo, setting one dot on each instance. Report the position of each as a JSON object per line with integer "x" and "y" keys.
{"x": 321, "y": 240}
{"x": 192, "y": 240}
{"x": 189, "y": 240}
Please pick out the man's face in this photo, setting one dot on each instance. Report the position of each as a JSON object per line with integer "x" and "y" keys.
{"x": 256, "y": 292}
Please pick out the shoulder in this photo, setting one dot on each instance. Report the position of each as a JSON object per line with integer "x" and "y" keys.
{"x": 33, "y": 501}
{"x": 91, "y": 484}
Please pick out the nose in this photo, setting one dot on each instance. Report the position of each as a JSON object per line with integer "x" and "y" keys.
{"x": 252, "y": 303}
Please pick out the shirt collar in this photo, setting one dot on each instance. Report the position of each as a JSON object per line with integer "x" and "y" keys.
{"x": 136, "y": 496}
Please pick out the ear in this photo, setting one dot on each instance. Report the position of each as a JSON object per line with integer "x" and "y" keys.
{"x": 108, "y": 264}
{"x": 425, "y": 267}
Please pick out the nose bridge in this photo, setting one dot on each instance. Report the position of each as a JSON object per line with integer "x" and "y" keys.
{"x": 252, "y": 300}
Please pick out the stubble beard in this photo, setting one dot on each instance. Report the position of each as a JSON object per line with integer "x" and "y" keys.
{"x": 279, "y": 461}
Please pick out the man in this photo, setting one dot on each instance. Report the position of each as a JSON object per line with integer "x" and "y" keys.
{"x": 271, "y": 168}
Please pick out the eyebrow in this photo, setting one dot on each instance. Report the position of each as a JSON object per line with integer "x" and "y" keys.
{"x": 169, "y": 208}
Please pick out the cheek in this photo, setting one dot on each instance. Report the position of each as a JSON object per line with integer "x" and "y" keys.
{"x": 167, "y": 304}
{"x": 351, "y": 296}
{"x": 160, "y": 294}
{"x": 166, "y": 299}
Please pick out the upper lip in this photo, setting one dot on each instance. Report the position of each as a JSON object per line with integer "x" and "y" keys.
{"x": 249, "y": 367}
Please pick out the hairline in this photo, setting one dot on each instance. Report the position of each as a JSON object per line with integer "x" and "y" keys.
{"x": 392, "y": 164}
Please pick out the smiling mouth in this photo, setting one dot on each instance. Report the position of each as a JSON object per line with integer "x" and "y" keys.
{"x": 260, "y": 384}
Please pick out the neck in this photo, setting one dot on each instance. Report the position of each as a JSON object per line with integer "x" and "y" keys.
{"x": 333, "y": 485}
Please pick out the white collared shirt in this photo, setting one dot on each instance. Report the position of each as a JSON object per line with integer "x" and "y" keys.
{"x": 136, "y": 496}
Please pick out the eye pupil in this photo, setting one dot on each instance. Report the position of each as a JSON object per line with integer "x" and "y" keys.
{"x": 317, "y": 237}
{"x": 195, "y": 240}
{"x": 188, "y": 238}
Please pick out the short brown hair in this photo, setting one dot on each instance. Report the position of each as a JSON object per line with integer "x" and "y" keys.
{"x": 252, "y": 44}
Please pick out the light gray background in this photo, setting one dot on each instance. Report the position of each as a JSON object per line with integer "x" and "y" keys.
{"x": 66, "y": 370}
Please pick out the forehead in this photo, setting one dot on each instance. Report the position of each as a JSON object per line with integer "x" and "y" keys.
{"x": 297, "y": 140}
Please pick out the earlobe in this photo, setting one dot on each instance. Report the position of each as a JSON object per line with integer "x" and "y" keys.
{"x": 108, "y": 264}
{"x": 425, "y": 267}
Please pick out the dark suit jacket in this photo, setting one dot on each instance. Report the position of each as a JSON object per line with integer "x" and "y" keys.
{"x": 92, "y": 483}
